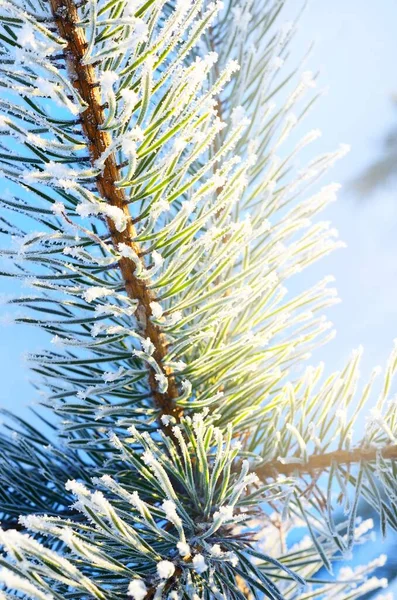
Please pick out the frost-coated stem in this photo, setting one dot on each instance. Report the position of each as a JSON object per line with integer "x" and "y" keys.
{"x": 67, "y": 19}
{"x": 321, "y": 462}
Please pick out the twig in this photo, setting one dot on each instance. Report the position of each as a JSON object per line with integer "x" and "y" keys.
{"x": 321, "y": 462}
{"x": 66, "y": 18}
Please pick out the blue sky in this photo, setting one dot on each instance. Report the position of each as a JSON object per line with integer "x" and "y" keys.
{"x": 355, "y": 50}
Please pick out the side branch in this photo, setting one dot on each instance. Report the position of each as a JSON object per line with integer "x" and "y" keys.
{"x": 321, "y": 462}
{"x": 66, "y": 18}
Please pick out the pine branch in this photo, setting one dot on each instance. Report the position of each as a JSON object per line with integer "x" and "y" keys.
{"x": 12, "y": 523}
{"x": 168, "y": 505}
{"x": 67, "y": 18}
{"x": 324, "y": 461}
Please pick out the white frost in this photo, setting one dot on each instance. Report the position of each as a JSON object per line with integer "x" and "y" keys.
{"x": 165, "y": 569}
{"x": 137, "y": 589}
{"x": 93, "y": 293}
{"x": 199, "y": 564}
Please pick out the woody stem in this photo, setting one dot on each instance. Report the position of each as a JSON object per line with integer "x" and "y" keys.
{"x": 99, "y": 140}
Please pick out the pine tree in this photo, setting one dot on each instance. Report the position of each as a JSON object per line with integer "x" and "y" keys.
{"x": 154, "y": 212}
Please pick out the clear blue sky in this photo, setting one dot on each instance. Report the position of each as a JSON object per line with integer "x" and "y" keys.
{"x": 356, "y": 50}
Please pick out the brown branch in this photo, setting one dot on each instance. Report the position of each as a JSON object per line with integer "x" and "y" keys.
{"x": 66, "y": 18}
{"x": 321, "y": 462}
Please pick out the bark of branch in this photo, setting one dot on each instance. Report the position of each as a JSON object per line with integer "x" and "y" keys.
{"x": 66, "y": 18}
{"x": 321, "y": 462}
